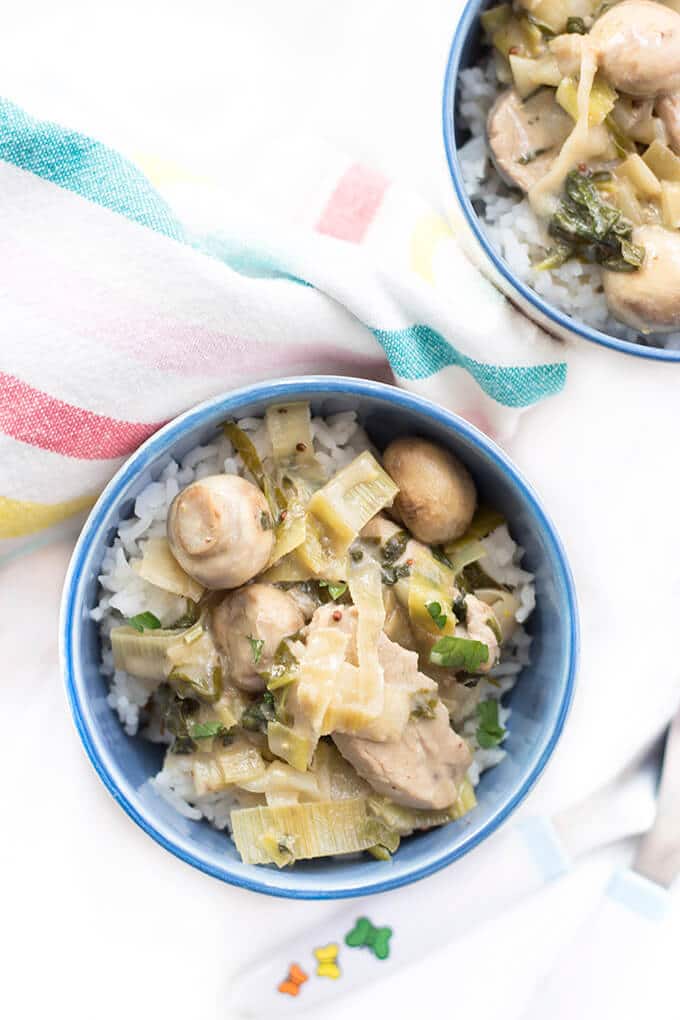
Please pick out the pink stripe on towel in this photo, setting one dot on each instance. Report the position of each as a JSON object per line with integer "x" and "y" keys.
{"x": 36, "y": 418}
{"x": 353, "y": 204}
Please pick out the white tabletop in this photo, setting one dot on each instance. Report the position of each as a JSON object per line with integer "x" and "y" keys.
{"x": 101, "y": 922}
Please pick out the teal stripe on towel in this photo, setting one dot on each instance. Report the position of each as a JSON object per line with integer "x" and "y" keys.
{"x": 80, "y": 164}
{"x": 418, "y": 352}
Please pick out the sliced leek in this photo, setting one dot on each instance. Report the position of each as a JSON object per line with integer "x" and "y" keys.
{"x": 404, "y": 821}
{"x": 600, "y": 103}
{"x": 194, "y": 665}
{"x": 285, "y": 784}
{"x": 365, "y": 588}
{"x": 383, "y": 836}
{"x": 159, "y": 567}
{"x": 143, "y": 655}
{"x": 431, "y": 586}
{"x": 290, "y": 432}
{"x": 662, "y": 162}
{"x": 292, "y": 746}
{"x": 336, "y": 778}
{"x": 463, "y": 552}
{"x": 315, "y": 829}
{"x": 338, "y": 511}
{"x": 234, "y": 765}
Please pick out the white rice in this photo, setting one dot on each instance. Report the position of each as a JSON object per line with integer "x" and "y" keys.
{"x": 123, "y": 594}
{"x": 517, "y": 234}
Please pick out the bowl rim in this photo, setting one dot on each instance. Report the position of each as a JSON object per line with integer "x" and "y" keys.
{"x": 561, "y": 319}
{"x": 269, "y": 391}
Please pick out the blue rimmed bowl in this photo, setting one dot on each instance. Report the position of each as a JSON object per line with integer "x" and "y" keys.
{"x": 466, "y": 50}
{"x": 539, "y": 703}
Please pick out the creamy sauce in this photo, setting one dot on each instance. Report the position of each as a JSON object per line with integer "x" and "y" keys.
{"x": 582, "y": 144}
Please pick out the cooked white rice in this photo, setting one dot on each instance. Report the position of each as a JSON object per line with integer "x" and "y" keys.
{"x": 337, "y": 440}
{"x": 517, "y": 234}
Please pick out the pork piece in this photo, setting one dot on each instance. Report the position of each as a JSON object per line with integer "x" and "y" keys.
{"x": 668, "y": 109}
{"x": 423, "y": 769}
{"x": 259, "y": 612}
{"x": 526, "y": 137}
{"x": 649, "y": 299}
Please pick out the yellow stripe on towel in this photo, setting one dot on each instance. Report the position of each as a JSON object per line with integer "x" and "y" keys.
{"x": 20, "y": 517}
{"x": 428, "y": 232}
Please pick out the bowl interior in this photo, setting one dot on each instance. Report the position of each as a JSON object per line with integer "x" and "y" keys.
{"x": 466, "y": 50}
{"x": 539, "y": 702}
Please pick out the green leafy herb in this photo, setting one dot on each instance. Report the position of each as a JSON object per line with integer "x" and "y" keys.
{"x": 175, "y": 716}
{"x": 473, "y": 577}
{"x": 435, "y": 611}
{"x": 460, "y": 608}
{"x": 576, "y": 26}
{"x": 459, "y": 653}
{"x": 285, "y": 667}
{"x": 336, "y": 589}
{"x": 596, "y": 231}
{"x": 440, "y": 555}
{"x": 531, "y": 155}
{"x": 554, "y": 257}
{"x": 394, "y": 547}
{"x": 191, "y": 681}
{"x": 200, "y": 731}
{"x": 390, "y": 575}
{"x": 489, "y": 730}
{"x": 259, "y": 713}
{"x": 256, "y": 646}
{"x": 266, "y": 522}
{"x": 357, "y": 555}
{"x": 144, "y": 621}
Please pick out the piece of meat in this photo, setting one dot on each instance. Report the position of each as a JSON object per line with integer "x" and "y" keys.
{"x": 649, "y": 299}
{"x": 259, "y": 612}
{"x": 423, "y": 769}
{"x": 478, "y": 629}
{"x": 526, "y": 137}
{"x": 668, "y": 109}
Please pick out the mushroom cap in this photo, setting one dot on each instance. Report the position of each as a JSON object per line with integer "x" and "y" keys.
{"x": 638, "y": 47}
{"x": 260, "y": 612}
{"x": 220, "y": 531}
{"x": 649, "y": 298}
{"x": 437, "y": 496}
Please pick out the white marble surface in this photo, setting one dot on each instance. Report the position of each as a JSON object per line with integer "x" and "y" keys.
{"x": 99, "y": 921}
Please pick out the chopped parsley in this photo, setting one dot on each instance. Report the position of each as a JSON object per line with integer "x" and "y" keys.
{"x": 435, "y": 611}
{"x": 460, "y": 608}
{"x": 256, "y": 646}
{"x": 259, "y": 713}
{"x": 266, "y": 521}
{"x": 576, "y": 26}
{"x": 144, "y": 621}
{"x": 390, "y": 575}
{"x": 336, "y": 589}
{"x": 489, "y": 730}
{"x": 459, "y": 653}
{"x": 201, "y": 731}
{"x": 357, "y": 555}
{"x": 394, "y": 547}
{"x": 531, "y": 155}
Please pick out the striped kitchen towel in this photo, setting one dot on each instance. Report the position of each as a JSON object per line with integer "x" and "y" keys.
{"x": 123, "y": 302}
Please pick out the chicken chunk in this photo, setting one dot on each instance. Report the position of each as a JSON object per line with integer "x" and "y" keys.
{"x": 668, "y": 109}
{"x": 525, "y": 137}
{"x": 424, "y": 769}
{"x": 258, "y": 613}
{"x": 649, "y": 299}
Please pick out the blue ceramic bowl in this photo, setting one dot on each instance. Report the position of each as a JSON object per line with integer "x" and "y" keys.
{"x": 539, "y": 703}
{"x": 465, "y": 52}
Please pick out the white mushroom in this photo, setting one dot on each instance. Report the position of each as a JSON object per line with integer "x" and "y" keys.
{"x": 637, "y": 44}
{"x": 649, "y": 299}
{"x": 437, "y": 497}
{"x": 220, "y": 531}
{"x": 244, "y": 618}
